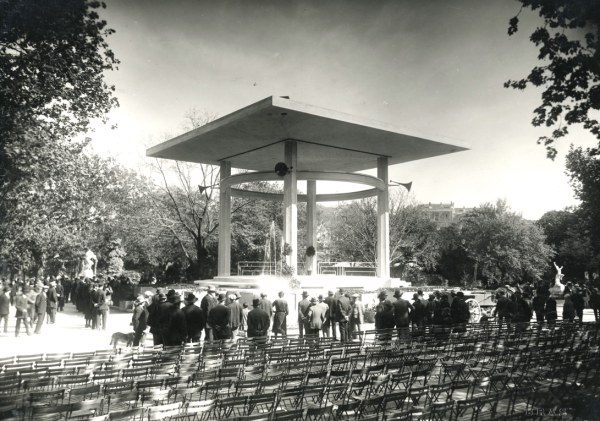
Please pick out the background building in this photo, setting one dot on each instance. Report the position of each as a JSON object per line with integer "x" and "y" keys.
{"x": 444, "y": 214}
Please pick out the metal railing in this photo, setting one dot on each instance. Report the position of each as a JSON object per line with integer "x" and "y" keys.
{"x": 263, "y": 268}
{"x": 347, "y": 268}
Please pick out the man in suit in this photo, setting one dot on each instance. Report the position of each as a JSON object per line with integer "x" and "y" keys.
{"x": 52, "y": 302}
{"x": 100, "y": 308}
{"x": 4, "y": 306}
{"x": 219, "y": 317}
{"x": 60, "y": 293}
{"x": 235, "y": 319}
{"x": 20, "y": 301}
{"x": 402, "y": 309}
{"x": 207, "y": 303}
{"x": 194, "y": 317}
{"x": 177, "y": 332}
{"x": 159, "y": 319}
{"x": 266, "y": 305}
{"x": 316, "y": 317}
{"x": 502, "y": 309}
{"x": 258, "y": 320}
{"x": 344, "y": 310}
{"x": 358, "y": 315}
{"x": 31, "y": 296}
{"x": 330, "y": 322}
{"x": 303, "y": 313}
{"x": 40, "y": 308}
{"x": 139, "y": 320}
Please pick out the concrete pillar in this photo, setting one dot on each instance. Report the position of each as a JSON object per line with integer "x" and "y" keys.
{"x": 290, "y": 202}
{"x": 383, "y": 222}
{"x": 225, "y": 223}
{"x": 311, "y": 224}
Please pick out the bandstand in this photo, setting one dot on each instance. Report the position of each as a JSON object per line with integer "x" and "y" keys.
{"x": 316, "y": 144}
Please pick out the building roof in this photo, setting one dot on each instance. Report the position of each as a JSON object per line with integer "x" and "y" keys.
{"x": 253, "y": 138}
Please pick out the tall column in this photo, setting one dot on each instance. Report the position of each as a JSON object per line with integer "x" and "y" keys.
{"x": 311, "y": 224}
{"x": 290, "y": 202}
{"x": 383, "y": 222}
{"x": 225, "y": 223}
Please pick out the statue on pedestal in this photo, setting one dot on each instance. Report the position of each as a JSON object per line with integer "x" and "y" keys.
{"x": 88, "y": 265}
{"x": 558, "y": 288}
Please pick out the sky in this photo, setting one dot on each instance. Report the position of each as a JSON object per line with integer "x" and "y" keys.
{"x": 436, "y": 67}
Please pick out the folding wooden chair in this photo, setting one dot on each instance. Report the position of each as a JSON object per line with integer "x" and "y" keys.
{"x": 84, "y": 393}
{"x": 186, "y": 394}
{"x": 346, "y": 411}
{"x": 29, "y": 358}
{"x": 292, "y": 415}
{"x": 265, "y": 402}
{"x": 321, "y": 413}
{"x": 161, "y": 412}
{"x": 86, "y": 409}
{"x": 397, "y": 416}
{"x": 128, "y": 415}
{"x": 44, "y": 412}
{"x": 46, "y": 383}
{"x": 217, "y": 388}
{"x": 121, "y": 401}
{"x": 463, "y": 406}
{"x": 50, "y": 397}
{"x": 118, "y": 387}
{"x": 441, "y": 411}
{"x": 154, "y": 397}
{"x": 231, "y": 407}
{"x": 266, "y": 416}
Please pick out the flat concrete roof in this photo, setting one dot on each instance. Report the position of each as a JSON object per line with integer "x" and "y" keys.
{"x": 253, "y": 137}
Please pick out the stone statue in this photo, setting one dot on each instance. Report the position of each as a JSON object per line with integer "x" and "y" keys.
{"x": 559, "y": 275}
{"x": 89, "y": 263}
{"x": 558, "y": 288}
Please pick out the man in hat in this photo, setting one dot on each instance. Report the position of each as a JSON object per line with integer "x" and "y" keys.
{"x": 281, "y": 313}
{"x": 316, "y": 317}
{"x": 258, "y": 320}
{"x": 344, "y": 310}
{"x": 31, "y": 296}
{"x": 330, "y": 321}
{"x": 236, "y": 315}
{"x": 194, "y": 318}
{"x": 208, "y": 302}
{"x": 303, "y": 313}
{"x": 52, "y": 302}
{"x": 159, "y": 319}
{"x": 402, "y": 309}
{"x": 595, "y": 303}
{"x": 177, "y": 333}
{"x": 219, "y": 318}
{"x": 139, "y": 320}
{"x": 358, "y": 315}
{"x": 40, "y": 308}
{"x": 384, "y": 314}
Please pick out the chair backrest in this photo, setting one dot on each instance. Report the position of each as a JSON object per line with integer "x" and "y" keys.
{"x": 85, "y": 391}
{"x": 160, "y": 412}
{"x": 289, "y": 415}
{"x": 118, "y": 387}
{"x": 262, "y": 416}
{"x": 129, "y": 414}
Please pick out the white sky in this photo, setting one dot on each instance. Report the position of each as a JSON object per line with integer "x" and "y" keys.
{"x": 436, "y": 67}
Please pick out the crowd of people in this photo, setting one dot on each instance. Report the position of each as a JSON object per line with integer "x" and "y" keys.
{"x": 35, "y": 301}
{"x": 38, "y": 300}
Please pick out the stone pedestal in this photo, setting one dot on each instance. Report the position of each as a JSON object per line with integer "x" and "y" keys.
{"x": 557, "y": 290}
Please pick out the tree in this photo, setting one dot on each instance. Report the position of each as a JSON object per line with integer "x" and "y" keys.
{"x": 353, "y": 231}
{"x": 503, "y": 245}
{"x": 571, "y": 70}
{"x": 52, "y": 58}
